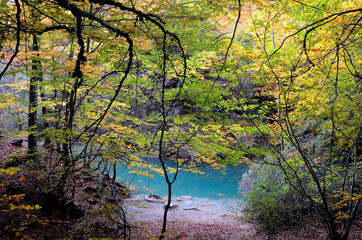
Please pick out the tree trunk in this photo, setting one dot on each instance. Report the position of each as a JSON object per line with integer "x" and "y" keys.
{"x": 44, "y": 113}
{"x": 33, "y": 95}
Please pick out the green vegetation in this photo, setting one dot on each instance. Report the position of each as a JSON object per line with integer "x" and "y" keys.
{"x": 276, "y": 84}
{"x": 271, "y": 201}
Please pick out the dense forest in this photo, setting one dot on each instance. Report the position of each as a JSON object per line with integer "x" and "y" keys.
{"x": 88, "y": 85}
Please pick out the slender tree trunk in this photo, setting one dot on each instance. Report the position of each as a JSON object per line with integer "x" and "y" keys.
{"x": 66, "y": 97}
{"x": 33, "y": 95}
{"x": 279, "y": 101}
{"x": 44, "y": 113}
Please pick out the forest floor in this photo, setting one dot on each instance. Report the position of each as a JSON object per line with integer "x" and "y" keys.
{"x": 186, "y": 222}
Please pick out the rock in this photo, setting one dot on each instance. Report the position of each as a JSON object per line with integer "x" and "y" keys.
{"x": 12, "y": 162}
{"x": 169, "y": 82}
{"x": 100, "y": 178}
{"x": 137, "y": 198}
{"x": 92, "y": 200}
{"x": 182, "y": 106}
{"x": 87, "y": 178}
{"x": 155, "y": 196}
{"x": 173, "y": 205}
{"x": 120, "y": 185}
{"x": 113, "y": 199}
{"x": 183, "y": 198}
{"x": 90, "y": 190}
{"x": 154, "y": 200}
{"x": 193, "y": 208}
{"x": 172, "y": 83}
{"x": 17, "y": 142}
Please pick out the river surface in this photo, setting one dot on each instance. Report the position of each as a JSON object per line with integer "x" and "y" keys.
{"x": 214, "y": 184}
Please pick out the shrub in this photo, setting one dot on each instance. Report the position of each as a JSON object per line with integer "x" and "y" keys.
{"x": 271, "y": 202}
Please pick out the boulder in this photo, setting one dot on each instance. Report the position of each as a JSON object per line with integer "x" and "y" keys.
{"x": 182, "y": 106}
{"x": 17, "y": 142}
{"x": 172, "y": 83}
{"x": 153, "y": 200}
{"x": 155, "y": 196}
{"x": 12, "y": 162}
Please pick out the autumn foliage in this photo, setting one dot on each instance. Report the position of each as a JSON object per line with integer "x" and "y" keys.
{"x": 276, "y": 84}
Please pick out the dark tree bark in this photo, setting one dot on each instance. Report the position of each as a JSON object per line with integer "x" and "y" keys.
{"x": 36, "y": 76}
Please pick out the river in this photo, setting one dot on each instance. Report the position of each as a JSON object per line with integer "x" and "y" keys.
{"x": 214, "y": 184}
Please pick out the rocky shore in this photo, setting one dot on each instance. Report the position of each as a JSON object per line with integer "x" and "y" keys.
{"x": 185, "y": 208}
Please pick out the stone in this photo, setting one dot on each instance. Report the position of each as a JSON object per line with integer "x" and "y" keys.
{"x": 17, "y": 142}
{"x": 90, "y": 190}
{"x": 137, "y": 198}
{"x": 182, "y": 106}
{"x": 172, "y": 206}
{"x": 172, "y": 83}
{"x": 113, "y": 199}
{"x": 12, "y": 162}
{"x": 155, "y": 196}
{"x": 184, "y": 198}
{"x": 92, "y": 200}
{"x": 153, "y": 200}
{"x": 193, "y": 208}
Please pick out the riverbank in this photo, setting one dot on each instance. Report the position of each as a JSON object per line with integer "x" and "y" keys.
{"x": 197, "y": 231}
{"x": 194, "y": 218}
{"x": 185, "y": 208}
{"x": 189, "y": 218}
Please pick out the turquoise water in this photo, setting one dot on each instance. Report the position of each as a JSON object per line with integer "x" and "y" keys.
{"x": 214, "y": 184}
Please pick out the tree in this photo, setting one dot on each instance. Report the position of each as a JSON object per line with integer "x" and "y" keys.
{"x": 84, "y": 66}
{"x": 318, "y": 83}
{"x": 120, "y": 81}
